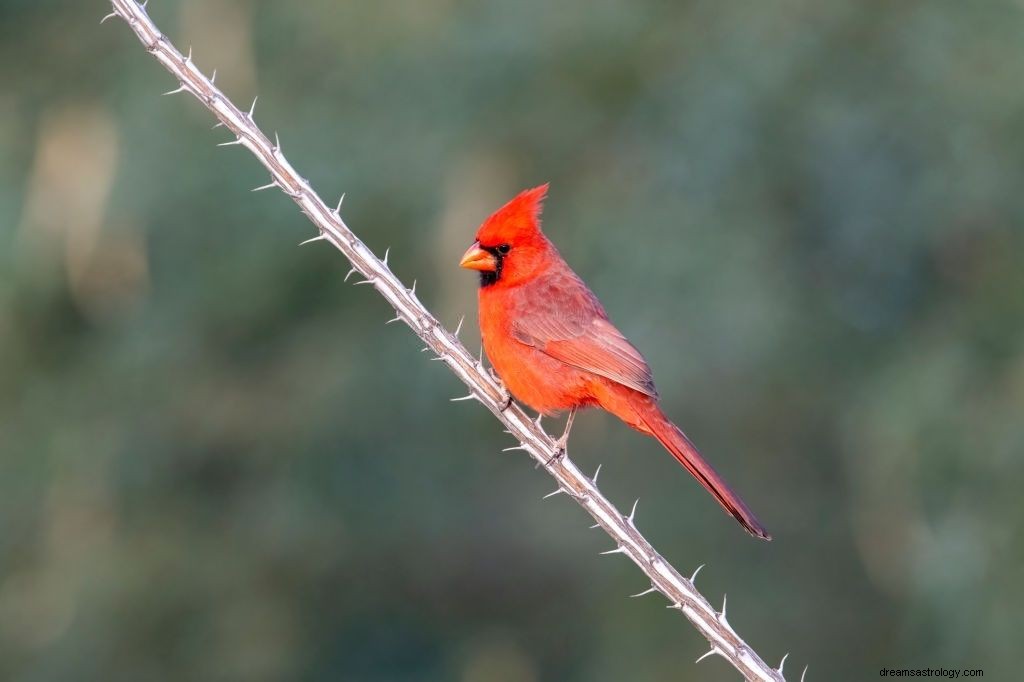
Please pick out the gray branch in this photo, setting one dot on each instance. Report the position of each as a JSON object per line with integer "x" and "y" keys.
{"x": 483, "y": 387}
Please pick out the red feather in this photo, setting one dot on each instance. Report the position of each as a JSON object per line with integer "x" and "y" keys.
{"x": 553, "y": 345}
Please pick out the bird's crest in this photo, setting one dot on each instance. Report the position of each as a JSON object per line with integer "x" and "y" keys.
{"x": 518, "y": 220}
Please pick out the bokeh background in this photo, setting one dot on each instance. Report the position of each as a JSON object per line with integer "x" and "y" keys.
{"x": 218, "y": 463}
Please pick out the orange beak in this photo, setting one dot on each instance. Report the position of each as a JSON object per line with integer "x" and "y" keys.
{"x": 476, "y": 258}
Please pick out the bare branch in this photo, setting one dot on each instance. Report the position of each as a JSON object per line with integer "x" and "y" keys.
{"x": 483, "y": 386}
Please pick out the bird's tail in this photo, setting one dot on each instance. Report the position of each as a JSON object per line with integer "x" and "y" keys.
{"x": 676, "y": 442}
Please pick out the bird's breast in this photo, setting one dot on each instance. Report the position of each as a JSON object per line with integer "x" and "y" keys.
{"x": 533, "y": 377}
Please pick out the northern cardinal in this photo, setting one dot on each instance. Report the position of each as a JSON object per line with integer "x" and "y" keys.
{"x": 550, "y": 341}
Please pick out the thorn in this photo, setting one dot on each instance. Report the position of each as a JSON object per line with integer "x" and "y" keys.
{"x": 677, "y": 605}
{"x": 144, "y": 3}
{"x": 713, "y": 651}
{"x": 782, "y": 663}
{"x": 398, "y": 318}
{"x": 480, "y": 358}
{"x": 231, "y": 143}
{"x": 804, "y": 672}
{"x": 216, "y": 125}
{"x": 437, "y": 359}
{"x": 213, "y": 76}
{"x": 277, "y": 143}
{"x": 272, "y": 183}
{"x": 413, "y": 290}
{"x": 722, "y": 614}
{"x": 465, "y": 397}
{"x": 633, "y": 513}
{"x": 593, "y": 479}
{"x": 337, "y": 209}
{"x": 387, "y": 252}
{"x": 253, "y": 107}
{"x": 537, "y": 420}
{"x": 694, "y": 576}
{"x": 618, "y": 550}
{"x": 458, "y": 327}
{"x": 364, "y": 281}
{"x": 596, "y": 525}
{"x": 180, "y": 88}
{"x": 188, "y": 59}
{"x": 319, "y": 238}
{"x": 557, "y": 491}
{"x": 112, "y": 14}
{"x": 515, "y": 447}
{"x": 349, "y": 274}
{"x": 649, "y": 590}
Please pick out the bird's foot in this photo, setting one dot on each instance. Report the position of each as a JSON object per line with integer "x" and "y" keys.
{"x": 562, "y": 444}
{"x": 560, "y": 452}
{"x": 507, "y": 400}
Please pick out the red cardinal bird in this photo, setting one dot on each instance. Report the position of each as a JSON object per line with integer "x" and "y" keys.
{"x": 550, "y": 341}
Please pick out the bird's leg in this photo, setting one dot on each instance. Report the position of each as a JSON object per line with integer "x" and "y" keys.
{"x": 561, "y": 445}
{"x": 507, "y": 399}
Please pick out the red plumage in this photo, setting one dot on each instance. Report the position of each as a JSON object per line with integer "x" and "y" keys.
{"x": 550, "y": 340}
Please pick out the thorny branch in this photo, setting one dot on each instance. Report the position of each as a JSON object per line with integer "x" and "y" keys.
{"x": 483, "y": 387}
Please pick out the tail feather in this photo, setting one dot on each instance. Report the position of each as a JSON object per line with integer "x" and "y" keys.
{"x": 676, "y": 442}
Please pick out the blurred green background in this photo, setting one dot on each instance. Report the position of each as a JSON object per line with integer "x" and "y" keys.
{"x": 217, "y": 463}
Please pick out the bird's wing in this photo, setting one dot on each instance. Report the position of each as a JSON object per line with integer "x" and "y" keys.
{"x": 559, "y": 315}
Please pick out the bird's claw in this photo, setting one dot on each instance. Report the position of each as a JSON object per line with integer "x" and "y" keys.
{"x": 507, "y": 400}
{"x": 562, "y": 444}
{"x": 561, "y": 449}
{"x": 557, "y": 457}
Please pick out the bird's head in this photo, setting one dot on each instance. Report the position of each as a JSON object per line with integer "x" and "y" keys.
{"x": 509, "y": 246}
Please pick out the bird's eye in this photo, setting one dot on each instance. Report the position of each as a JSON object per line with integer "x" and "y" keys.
{"x": 504, "y": 248}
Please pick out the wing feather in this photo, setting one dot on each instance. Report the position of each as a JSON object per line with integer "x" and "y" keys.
{"x": 561, "y": 317}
